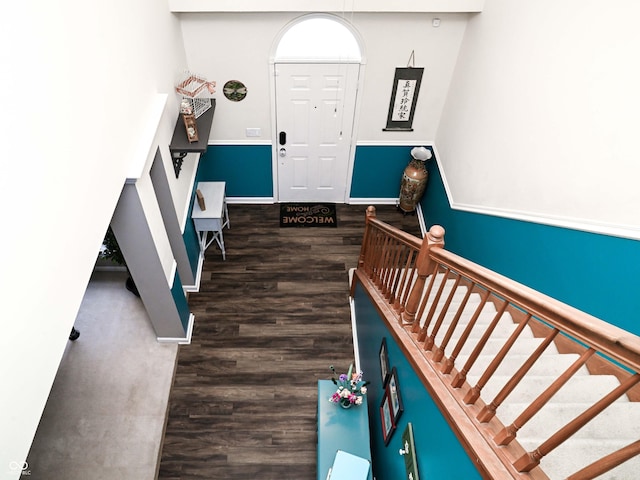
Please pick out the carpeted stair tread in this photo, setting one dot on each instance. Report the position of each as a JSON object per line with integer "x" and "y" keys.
{"x": 552, "y": 365}
{"x": 618, "y": 421}
{"x": 570, "y": 457}
{"x": 582, "y": 387}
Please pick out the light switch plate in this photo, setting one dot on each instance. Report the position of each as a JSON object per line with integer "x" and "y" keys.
{"x": 253, "y": 132}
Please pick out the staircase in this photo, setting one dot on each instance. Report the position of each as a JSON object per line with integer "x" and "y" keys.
{"x": 610, "y": 431}
{"x": 537, "y": 389}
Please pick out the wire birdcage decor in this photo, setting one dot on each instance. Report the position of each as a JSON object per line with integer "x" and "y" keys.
{"x": 196, "y": 90}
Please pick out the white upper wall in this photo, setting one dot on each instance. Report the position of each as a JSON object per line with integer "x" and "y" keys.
{"x": 236, "y": 46}
{"x": 81, "y": 87}
{"x": 542, "y": 119}
{"x": 379, "y": 6}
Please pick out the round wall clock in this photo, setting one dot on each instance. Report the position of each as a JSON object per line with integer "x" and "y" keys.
{"x": 234, "y": 90}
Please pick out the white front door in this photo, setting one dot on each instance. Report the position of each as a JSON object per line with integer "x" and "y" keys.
{"x": 315, "y": 108}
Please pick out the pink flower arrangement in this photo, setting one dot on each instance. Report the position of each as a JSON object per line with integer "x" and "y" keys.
{"x": 351, "y": 388}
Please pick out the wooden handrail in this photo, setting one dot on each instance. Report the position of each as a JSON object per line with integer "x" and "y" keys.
{"x": 605, "y": 337}
{"x": 418, "y": 280}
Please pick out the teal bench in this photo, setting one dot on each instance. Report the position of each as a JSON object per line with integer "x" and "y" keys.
{"x": 341, "y": 429}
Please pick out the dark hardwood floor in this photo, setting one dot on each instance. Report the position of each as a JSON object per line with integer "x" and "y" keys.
{"x": 269, "y": 321}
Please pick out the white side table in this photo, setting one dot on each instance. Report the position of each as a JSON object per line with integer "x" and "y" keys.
{"x": 213, "y": 218}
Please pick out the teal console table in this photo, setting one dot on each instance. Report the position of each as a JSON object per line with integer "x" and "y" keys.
{"x": 340, "y": 429}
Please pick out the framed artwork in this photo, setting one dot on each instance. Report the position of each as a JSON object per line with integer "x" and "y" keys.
{"x": 234, "y": 90}
{"x": 404, "y": 96}
{"x": 386, "y": 417}
{"x": 384, "y": 362}
{"x": 409, "y": 453}
{"x": 394, "y": 395}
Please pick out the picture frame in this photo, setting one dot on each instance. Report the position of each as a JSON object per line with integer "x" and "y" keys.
{"x": 384, "y": 362}
{"x": 404, "y": 97}
{"x": 395, "y": 397}
{"x": 410, "y": 457}
{"x": 386, "y": 417}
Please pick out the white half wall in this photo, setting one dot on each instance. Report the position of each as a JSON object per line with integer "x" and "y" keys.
{"x": 80, "y": 79}
{"x": 541, "y": 119}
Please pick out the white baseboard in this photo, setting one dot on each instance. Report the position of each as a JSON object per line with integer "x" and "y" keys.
{"x": 196, "y": 286}
{"x": 251, "y": 200}
{"x": 373, "y": 201}
{"x": 186, "y": 340}
{"x": 354, "y": 327}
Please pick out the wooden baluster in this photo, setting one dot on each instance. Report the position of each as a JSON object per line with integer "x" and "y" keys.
{"x": 366, "y": 245}
{"x": 474, "y": 393}
{"x": 406, "y": 279}
{"x": 434, "y": 306}
{"x": 531, "y": 459}
{"x": 395, "y": 274}
{"x": 395, "y": 278}
{"x": 390, "y": 266}
{"x": 607, "y": 462}
{"x": 507, "y": 434}
{"x": 391, "y": 269}
{"x": 489, "y": 410}
{"x": 449, "y": 362}
{"x": 424, "y": 264}
{"x": 378, "y": 240}
{"x": 382, "y": 262}
{"x": 382, "y": 265}
{"x": 462, "y": 374}
{"x": 438, "y": 353}
{"x": 370, "y": 253}
{"x": 443, "y": 313}
{"x": 403, "y": 252}
{"x": 423, "y": 299}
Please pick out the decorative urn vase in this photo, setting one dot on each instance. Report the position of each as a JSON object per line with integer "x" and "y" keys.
{"x": 414, "y": 180}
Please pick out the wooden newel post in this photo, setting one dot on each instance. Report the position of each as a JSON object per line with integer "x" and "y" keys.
{"x": 370, "y": 213}
{"x": 424, "y": 266}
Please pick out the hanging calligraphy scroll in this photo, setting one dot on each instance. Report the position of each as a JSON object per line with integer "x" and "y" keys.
{"x": 404, "y": 96}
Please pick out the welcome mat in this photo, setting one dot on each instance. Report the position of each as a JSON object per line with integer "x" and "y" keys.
{"x": 308, "y": 215}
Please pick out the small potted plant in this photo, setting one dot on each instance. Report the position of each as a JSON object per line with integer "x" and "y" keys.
{"x": 351, "y": 388}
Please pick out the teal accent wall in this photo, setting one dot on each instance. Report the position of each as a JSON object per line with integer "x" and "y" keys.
{"x": 439, "y": 453}
{"x": 377, "y": 171}
{"x": 190, "y": 238}
{"x": 181, "y": 302}
{"x": 247, "y": 169}
{"x": 597, "y": 274}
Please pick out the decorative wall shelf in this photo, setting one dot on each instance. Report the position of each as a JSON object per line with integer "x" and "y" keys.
{"x": 180, "y": 145}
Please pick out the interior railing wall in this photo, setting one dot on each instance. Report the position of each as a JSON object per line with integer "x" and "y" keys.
{"x": 415, "y": 284}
